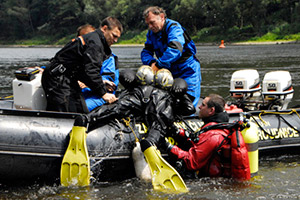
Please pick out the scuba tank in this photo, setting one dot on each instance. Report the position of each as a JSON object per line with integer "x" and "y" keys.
{"x": 251, "y": 139}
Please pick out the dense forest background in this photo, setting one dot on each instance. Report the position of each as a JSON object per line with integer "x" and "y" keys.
{"x": 56, "y": 21}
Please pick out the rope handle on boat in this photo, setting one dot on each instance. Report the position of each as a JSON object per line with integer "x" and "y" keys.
{"x": 261, "y": 128}
{"x": 276, "y": 113}
{"x": 279, "y": 116}
{"x": 127, "y": 122}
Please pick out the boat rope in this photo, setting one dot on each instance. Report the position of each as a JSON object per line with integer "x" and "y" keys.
{"x": 263, "y": 112}
{"x": 127, "y": 122}
{"x": 289, "y": 123}
{"x": 278, "y": 114}
{"x": 8, "y": 97}
{"x": 261, "y": 128}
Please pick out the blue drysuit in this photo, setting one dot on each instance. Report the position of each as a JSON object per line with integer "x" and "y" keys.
{"x": 109, "y": 71}
{"x": 176, "y": 52}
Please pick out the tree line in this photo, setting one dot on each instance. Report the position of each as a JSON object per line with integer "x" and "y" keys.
{"x": 235, "y": 19}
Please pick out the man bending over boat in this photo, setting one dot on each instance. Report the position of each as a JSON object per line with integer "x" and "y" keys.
{"x": 206, "y": 155}
{"x": 109, "y": 73}
{"x": 80, "y": 60}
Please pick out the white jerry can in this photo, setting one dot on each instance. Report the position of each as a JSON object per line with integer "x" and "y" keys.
{"x": 29, "y": 95}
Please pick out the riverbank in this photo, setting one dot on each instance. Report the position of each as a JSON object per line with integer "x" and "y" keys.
{"x": 250, "y": 43}
{"x": 141, "y": 45}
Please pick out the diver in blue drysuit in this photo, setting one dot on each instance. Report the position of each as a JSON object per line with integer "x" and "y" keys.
{"x": 175, "y": 51}
{"x": 109, "y": 71}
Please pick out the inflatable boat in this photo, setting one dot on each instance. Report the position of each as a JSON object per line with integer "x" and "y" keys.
{"x": 33, "y": 141}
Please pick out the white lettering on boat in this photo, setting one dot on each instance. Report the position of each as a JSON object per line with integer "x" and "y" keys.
{"x": 274, "y": 133}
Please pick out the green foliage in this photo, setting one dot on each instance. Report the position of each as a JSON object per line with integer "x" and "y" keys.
{"x": 275, "y": 37}
{"x": 207, "y": 35}
{"x": 65, "y": 40}
{"x": 38, "y": 40}
{"x": 133, "y": 37}
{"x": 205, "y": 20}
{"x": 216, "y": 34}
{"x": 292, "y": 37}
{"x": 278, "y": 33}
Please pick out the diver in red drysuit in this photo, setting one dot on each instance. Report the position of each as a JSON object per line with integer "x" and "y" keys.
{"x": 202, "y": 157}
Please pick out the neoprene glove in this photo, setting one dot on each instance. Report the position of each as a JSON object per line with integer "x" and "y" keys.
{"x": 166, "y": 145}
{"x": 127, "y": 78}
{"x": 179, "y": 87}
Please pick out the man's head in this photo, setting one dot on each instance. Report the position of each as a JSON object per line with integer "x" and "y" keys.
{"x": 112, "y": 29}
{"x": 155, "y": 18}
{"x": 84, "y": 29}
{"x": 211, "y": 105}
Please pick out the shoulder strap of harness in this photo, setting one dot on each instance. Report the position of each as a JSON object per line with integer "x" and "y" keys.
{"x": 146, "y": 101}
{"x": 227, "y": 137}
{"x": 219, "y": 126}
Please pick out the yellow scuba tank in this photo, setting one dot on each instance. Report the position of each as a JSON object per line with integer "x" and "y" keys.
{"x": 250, "y": 135}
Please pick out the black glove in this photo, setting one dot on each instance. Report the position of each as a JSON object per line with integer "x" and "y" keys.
{"x": 174, "y": 131}
{"x": 179, "y": 87}
{"x": 127, "y": 78}
{"x": 166, "y": 145}
{"x": 81, "y": 120}
{"x": 184, "y": 105}
{"x": 194, "y": 137}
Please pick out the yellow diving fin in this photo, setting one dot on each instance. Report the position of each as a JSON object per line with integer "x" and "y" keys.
{"x": 75, "y": 167}
{"x": 164, "y": 177}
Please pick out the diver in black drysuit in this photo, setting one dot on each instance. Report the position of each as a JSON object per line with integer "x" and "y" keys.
{"x": 158, "y": 107}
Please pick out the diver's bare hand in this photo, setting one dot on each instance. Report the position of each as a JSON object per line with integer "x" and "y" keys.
{"x": 110, "y": 86}
{"x": 110, "y": 98}
{"x": 81, "y": 85}
{"x": 154, "y": 67}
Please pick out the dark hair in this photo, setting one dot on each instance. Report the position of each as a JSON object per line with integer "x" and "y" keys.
{"x": 155, "y": 10}
{"x": 80, "y": 28}
{"x": 112, "y": 22}
{"x": 216, "y": 101}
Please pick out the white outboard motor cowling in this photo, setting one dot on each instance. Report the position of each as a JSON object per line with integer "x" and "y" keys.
{"x": 277, "y": 90}
{"x": 245, "y": 88}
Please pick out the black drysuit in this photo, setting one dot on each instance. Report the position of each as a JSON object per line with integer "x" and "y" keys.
{"x": 80, "y": 59}
{"x": 157, "y": 108}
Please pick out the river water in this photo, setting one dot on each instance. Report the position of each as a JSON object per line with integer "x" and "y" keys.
{"x": 278, "y": 176}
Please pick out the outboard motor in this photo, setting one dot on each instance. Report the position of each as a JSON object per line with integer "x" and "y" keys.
{"x": 277, "y": 90}
{"x": 245, "y": 89}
